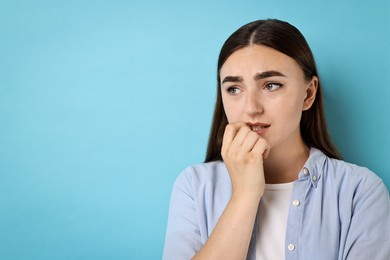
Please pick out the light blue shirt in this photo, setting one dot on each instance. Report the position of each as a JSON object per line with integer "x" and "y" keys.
{"x": 337, "y": 211}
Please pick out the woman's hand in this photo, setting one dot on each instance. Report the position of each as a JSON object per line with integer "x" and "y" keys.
{"x": 243, "y": 151}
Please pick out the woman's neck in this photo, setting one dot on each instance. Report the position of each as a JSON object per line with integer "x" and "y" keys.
{"x": 283, "y": 164}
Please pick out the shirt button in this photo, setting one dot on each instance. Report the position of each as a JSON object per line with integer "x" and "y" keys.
{"x": 296, "y": 203}
{"x": 314, "y": 178}
{"x": 305, "y": 171}
{"x": 291, "y": 247}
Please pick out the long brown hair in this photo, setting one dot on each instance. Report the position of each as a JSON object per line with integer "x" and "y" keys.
{"x": 286, "y": 39}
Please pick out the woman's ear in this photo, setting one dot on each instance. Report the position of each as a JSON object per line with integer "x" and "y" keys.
{"x": 310, "y": 93}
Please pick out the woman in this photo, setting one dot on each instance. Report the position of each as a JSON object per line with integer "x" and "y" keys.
{"x": 273, "y": 186}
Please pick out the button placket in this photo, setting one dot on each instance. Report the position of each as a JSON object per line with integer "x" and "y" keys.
{"x": 294, "y": 221}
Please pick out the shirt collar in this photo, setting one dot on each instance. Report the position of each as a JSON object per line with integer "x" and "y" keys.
{"x": 311, "y": 168}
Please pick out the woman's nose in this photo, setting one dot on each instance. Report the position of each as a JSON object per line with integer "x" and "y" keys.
{"x": 254, "y": 103}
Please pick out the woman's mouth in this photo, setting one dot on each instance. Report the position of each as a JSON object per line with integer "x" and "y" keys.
{"x": 259, "y": 128}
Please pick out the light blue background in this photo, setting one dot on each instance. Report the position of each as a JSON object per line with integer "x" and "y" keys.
{"x": 103, "y": 103}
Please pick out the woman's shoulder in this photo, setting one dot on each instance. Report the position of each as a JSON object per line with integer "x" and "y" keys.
{"x": 214, "y": 173}
{"x": 344, "y": 173}
{"x": 352, "y": 170}
{"x": 208, "y": 167}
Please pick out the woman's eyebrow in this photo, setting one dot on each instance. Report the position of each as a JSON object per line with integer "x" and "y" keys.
{"x": 258, "y": 76}
{"x": 268, "y": 74}
{"x": 232, "y": 79}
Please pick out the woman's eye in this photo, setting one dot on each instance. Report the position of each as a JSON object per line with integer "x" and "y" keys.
{"x": 273, "y": 86}
{"x": 233, "y": 90}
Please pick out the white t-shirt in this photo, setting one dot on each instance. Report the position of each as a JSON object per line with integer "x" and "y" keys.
{"x": 273, "y": 213}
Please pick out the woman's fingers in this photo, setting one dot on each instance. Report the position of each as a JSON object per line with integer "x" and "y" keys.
{"x": 229, "y": 136}
{"x": 262, "y": 148}
{"x": 239, "y": 139}
{"x": 250, "y": 141}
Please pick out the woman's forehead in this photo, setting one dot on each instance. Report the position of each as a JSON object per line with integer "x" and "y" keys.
{"x": 257, "y": 59}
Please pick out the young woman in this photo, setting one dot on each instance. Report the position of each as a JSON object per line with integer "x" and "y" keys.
{"x": 273, "y": 186}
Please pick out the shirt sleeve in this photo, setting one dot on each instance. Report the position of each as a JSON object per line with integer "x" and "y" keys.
{"x": 183, "y": 237}
{"x": 369, "y": 231}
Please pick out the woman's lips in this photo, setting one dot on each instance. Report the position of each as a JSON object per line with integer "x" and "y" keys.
{"x": 259, "y": 128}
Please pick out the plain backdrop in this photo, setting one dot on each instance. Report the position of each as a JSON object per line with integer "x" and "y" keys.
{"x": 103, "y": 103}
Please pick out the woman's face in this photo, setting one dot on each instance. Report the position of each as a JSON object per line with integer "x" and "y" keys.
{"x": 267, "y": 90}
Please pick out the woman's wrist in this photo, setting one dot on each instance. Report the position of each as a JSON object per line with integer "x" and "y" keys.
{"x": 247, "y": 197}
